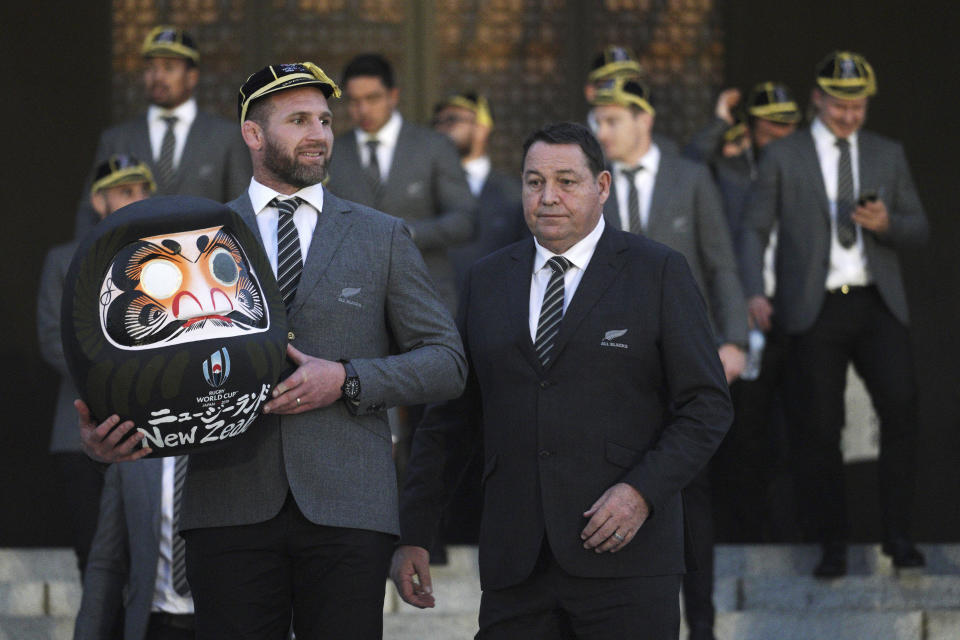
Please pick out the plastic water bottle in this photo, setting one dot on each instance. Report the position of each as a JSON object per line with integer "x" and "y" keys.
{"x": 754, "y": 356}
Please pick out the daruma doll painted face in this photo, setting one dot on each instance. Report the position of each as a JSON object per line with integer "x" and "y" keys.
{"x": 172, "y": 318}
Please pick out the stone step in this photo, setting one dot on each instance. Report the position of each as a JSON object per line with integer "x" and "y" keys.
{"x": 38, "y": 598}
{"x": 35, "y": 628}
{"x": 852, "y": 593}
{"x": 799, "y": 560}
{"x": 38, "y": 564}
{"x": 751, "y": 625}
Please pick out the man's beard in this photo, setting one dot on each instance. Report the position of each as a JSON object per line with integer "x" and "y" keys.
{"x": 286, "y": 168}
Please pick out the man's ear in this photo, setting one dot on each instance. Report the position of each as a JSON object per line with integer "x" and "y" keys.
{"x": 252, "y": 134}
{"x": 193, "y": 76}
{"x": 99, "y": 204}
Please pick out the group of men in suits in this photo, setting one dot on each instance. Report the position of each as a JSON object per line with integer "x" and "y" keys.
{"x": 626, "y": 302}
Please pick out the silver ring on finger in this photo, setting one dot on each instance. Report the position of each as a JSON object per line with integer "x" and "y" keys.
{"x": 298, "y": 402}
{"x": 616, "y": 534}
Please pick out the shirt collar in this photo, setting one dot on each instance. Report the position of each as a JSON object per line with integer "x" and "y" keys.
{"x": 261, "y": 195}
{"x": 823, "y": 137}
{"x": 185, "y": 113}
{"x": 579, "y": 254}
{"x": 477, "y": 171}
{"x": 650, "y": 161}
{"x": 387, "y": 134}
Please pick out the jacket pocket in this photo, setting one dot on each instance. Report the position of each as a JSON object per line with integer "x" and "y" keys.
{"x": 621, "y": 456}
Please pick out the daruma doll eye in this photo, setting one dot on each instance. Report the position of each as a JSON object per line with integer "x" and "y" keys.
{"x": 160, "y": 279}
{"x": 223, "y": 267}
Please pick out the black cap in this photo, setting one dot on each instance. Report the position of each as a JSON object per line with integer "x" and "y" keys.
{"x": 848, "y": 75}
{"x": 121, "y": 169}
{"x": 624, "y": 92}
{"x": 278, "y": 77}
{"x": 773, "y": 101}
{"x": 614, "y": 61}
{"x": 169, "y": 42}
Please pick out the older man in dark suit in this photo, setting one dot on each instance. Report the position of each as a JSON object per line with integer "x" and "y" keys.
{"x": 596, "y": 387}
{"x": 298, "y": 520}
{"x": 190, "y": 152}
{"x": 844, "y": 202}
{"x": 673, "y": 200}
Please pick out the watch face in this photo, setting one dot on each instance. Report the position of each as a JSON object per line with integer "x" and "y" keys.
{"x": 351, "y": 388}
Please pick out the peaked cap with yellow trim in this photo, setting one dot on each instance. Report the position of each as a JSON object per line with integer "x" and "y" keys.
{"x": 471, "y": 101}
{"x": 121, "y": 169}
{"x": 278, "y": 77}
{"x": 624, "y": 92}
{"x": 773, "y": 101}
{"x": 170, "y": 42}
{"x": 614, "y": 62}
{"x": 847, "y": 75}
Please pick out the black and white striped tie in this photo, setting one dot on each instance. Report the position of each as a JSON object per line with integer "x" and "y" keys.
{"x": 552, "y": 310}
{"x": 846, "y": 230}
{"x": 289, "y": 257}
{"x": 179, "y": 569}
{"x": 167, "y": 146}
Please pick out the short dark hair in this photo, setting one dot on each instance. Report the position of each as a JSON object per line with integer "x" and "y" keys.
{"x": 368, "y": 64}
{"x": 569, "y": 133}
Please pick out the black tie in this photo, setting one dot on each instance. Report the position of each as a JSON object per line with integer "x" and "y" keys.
{"x": 167, "y": 146}
{"x": 846, "y": 230}
{"x": 633, "y": 200}
{"x": 179, "y": 569}
{"x": 552, "y": 310}
{"x": 373, "y": 165}
{"x": 289, "y": 257}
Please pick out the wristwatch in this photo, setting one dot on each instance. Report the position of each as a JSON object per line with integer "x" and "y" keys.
{"x": 351, "y": 384}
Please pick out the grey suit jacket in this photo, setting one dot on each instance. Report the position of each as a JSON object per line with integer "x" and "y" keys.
{"x": 365, "y": 295}
{"x": 65, "y": 436}
{"x": 790, "y": 192}
{"x": 122, "y": 566}
{"x": 686, "y": 215}
{"x": 426, "y": 187}
{"x": 215, "y": 163}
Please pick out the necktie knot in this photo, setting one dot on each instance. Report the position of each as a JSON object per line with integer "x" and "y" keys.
{"x": 286, "y": 205}
{"x": 632, "y": 172}
{"x": 559, "y": 264}
{"x": 843, "y": 144}
{"x": 170, "y": 120}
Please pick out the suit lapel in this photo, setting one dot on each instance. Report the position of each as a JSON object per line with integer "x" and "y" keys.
{"x": 811, "y": 163}
{"x": 244, "y": 209}
{"x": 664, "y": 186}
{"x": 151, "y": 477}
{"x": 191, "y": 151}
{"x": 517, "y": 283}
{"x": 611, "y": 208}
{"x": 332, "y": 225}
{"x": 607, "y": 261}
{"x": 140, "y": 145}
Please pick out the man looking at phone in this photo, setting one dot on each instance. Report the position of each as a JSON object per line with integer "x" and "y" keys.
{"x": 844, "y": 203}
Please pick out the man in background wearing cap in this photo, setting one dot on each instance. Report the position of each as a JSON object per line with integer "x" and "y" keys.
{"x": 298, "y": 520}
{"x": 844, "y": 202}
{"x": 467, "y": 120}
{"x": 673, "y": 200}
{"x": 753, "y": 496}
{"x": 408, "y": 171}
{"x": 118, "y": 181}
{"x": 612, "y": 63}
{"x": 190, "y": 152}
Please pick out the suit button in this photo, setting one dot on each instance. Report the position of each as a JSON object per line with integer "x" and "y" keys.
{"x": 291, "y": 336}
{"x": 544, "y": 384}
{"x": 544, "y": 453}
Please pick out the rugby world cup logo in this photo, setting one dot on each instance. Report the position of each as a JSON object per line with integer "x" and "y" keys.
{"x": 216, "y": 368}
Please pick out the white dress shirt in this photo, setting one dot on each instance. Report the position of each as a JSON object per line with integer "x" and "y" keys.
{"x": 186, "y": 113}
{"x": 304, "y": 218}
{"x": 387, "y": 137}
{"x": 579, "y": 256}
{"x": 847, "y": 266}
{"x": 477, "y": 171}
{"x": 645, "y": 180}
{"x": 165, "y": 597}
